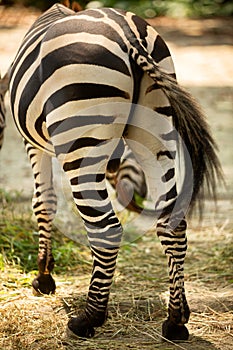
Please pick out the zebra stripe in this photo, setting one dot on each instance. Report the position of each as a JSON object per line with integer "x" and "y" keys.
{"x": 130, "y": 183}
{"x": 81, "y": 85}
{"x": 3, "y": 88}
{"x": 2, "y": 119}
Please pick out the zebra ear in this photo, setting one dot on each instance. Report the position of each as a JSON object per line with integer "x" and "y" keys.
{"x": 66, "y": 3}
{"x": 76, "y": 7}
{"x": 4, "y": 83}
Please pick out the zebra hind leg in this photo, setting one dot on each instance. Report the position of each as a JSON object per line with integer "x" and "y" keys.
{"x": 174, "y": 243}
{"x": 157, "y": 158}
{"x": 87, "y": 175}
{"x": 44, "y": 207}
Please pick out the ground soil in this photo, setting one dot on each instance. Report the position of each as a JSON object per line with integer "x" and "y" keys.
{"x": 202, "y": 51}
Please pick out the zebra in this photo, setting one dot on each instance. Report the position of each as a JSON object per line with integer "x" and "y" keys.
{"x": 81, "y": 86}
{"x": 3, "y": 90}
{"x": 129, "y": 183}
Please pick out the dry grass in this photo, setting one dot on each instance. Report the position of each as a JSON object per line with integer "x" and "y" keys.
{"x": 138, "y": 300}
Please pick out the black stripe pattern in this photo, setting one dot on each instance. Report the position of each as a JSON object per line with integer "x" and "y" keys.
{"x": 3, "y": 88}
{"x": 68, "y": 83}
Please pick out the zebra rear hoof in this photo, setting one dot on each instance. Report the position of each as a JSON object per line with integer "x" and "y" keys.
{"x": 80, "y": 326}
{"x": 172, "y": 331}
{"x": 83, "y": 326}
{"x": 43, "y": 284}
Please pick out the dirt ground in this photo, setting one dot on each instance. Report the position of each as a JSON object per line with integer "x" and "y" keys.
{"x": 202, "y": 52}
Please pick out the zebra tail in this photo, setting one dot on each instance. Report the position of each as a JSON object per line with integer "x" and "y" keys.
{"x": 190, "y": 123}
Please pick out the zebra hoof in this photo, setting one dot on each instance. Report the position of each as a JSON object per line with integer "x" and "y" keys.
{"x": 80, "y": 326}
{"x": 43, "y": 284}
{"x": 172, "y": 331}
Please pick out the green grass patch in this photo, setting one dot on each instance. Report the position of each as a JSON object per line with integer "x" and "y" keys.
{"x": 19, "y": 247}
{"x": 19, "y": 240}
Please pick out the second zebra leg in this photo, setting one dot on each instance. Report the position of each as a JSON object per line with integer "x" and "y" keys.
{"x": 88, "y": 182}
{"x": 44, "y": 205}
{"x": 174, "y": 242}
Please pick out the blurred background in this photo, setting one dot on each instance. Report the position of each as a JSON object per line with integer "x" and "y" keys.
{"x": 147, "y": 8}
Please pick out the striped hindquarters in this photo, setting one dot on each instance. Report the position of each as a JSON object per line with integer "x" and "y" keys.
{"x": 69, "y": 61}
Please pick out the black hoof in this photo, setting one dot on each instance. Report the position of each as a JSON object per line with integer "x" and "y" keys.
{"x": 81, "y": 327}
{"x": 172, "y": 331}
{"x": 44, "y": 284}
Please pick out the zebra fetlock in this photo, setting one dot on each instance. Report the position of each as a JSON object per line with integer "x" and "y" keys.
{"x": 43, "y": 284}
{"x": 173, "y": 331}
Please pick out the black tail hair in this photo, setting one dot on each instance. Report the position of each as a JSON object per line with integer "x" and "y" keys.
{"x": 191, "y": 125}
